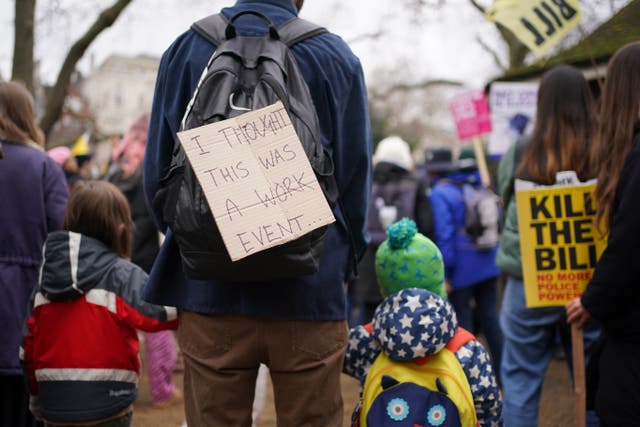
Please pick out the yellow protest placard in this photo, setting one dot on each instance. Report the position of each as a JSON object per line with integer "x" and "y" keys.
{"x": 257, "y": 180}
{"x": 538, "y": 24}
{"x": 559, "y": 243}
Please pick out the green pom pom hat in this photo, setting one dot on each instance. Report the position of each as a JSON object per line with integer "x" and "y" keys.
{"x": 408, "y": 259}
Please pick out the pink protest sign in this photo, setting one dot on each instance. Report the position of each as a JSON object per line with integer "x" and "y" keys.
{"x": 471, "y": 114}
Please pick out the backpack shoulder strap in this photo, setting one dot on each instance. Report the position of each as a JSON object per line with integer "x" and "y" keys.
{"x": 212, "y": 28}
{"x": 297, "y": 29}
{"x": 460, "y": 338}
{"x": 468, "y": 189}
{"x": 293, "y": 31}
{"x": 368, "y": 327}
{"x": 443, "y": 181}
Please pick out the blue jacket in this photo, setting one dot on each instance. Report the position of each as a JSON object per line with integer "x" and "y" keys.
{"x": 414, "y": 323}
{"x": 335, "y": 79}
{"x": 464, "y": 264}
{"x": 33, "y": 191}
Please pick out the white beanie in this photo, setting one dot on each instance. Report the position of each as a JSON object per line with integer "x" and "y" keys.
{"x": 394, "y": 149}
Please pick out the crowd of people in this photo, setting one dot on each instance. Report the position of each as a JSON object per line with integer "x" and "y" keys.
{"x": 70, "y": 235}
{"x": 408, "y": 279}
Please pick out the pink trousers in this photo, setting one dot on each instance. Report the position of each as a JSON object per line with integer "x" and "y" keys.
{"x": 161, "y": 359}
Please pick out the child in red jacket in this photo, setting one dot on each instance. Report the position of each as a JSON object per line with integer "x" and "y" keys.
{"x": 80, "y": 348}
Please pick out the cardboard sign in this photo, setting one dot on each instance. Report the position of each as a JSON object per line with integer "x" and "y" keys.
{"x": 257, "y": 180}
{"x": 513, "y": 112}
{"x": 538, "y": 24}
{"x": 559, "y": 243}
{"x": 471, "y": 114}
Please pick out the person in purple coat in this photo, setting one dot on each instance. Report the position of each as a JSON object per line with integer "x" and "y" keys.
{"x": 33, "y": 191}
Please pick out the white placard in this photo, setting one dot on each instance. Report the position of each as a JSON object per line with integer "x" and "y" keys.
{"x": 513, "y": 112}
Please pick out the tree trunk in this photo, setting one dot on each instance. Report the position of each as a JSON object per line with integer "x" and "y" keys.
{"x": 23, "y": 43}
{"x": 56, "y": 98}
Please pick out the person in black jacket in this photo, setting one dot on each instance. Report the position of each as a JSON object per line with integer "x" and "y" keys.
{"x": 397, "y": 192}
{"x": 613, "y": 295}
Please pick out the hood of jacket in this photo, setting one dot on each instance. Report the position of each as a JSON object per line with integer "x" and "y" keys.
{"x": 414, "y": 323}
{"x": 73, "y": 264}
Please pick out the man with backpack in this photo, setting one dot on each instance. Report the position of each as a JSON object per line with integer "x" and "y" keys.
{"x": 467, "y": 220}
{"x": 294, "y": 325}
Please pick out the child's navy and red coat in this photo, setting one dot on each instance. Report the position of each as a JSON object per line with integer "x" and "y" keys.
{"x": 415, "y": 323}
{"x": 80, "y": 347}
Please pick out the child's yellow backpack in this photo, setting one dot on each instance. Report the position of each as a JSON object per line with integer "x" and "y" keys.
{"x": 430, "y": 391}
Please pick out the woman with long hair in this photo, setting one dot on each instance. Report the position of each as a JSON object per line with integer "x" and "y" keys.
{"x": 559, "y": 142}
{"x": 33, "y": 193}
{"x": 613, "y": 295}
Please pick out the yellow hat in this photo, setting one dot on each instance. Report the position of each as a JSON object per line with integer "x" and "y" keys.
{"x": 81, "y": 146}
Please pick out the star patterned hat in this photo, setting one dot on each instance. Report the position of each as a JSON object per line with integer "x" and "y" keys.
{"x": 408, "y": 259}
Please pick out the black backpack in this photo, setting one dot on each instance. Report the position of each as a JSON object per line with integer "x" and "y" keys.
{"x": 245, "y": 73}
{"x": 398, "y": 198}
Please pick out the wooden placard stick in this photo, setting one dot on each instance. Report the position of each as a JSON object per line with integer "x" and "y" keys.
{"x": 481, "y": 161}
{"x": 579, "y": 384}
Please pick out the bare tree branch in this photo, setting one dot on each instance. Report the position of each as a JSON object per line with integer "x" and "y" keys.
{"x": 478, "y": 6}
{"x": 367, "y": 36}
{"x": 517, "y": 50}
{"x": 52, "y": 17}
{"x": 55, "y": 101}
{"x": 408, "y": 87}
{"x": 493, "y": 53}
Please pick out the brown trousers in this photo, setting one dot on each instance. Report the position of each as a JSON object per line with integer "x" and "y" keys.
{"x": 222, "y": 354}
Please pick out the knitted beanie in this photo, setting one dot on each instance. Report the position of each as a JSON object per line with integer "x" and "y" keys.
{"x": 396, "y": 150}
{"x": 408, "y": 259}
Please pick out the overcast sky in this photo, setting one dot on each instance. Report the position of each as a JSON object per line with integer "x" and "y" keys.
{"x": 433, "y": 45}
